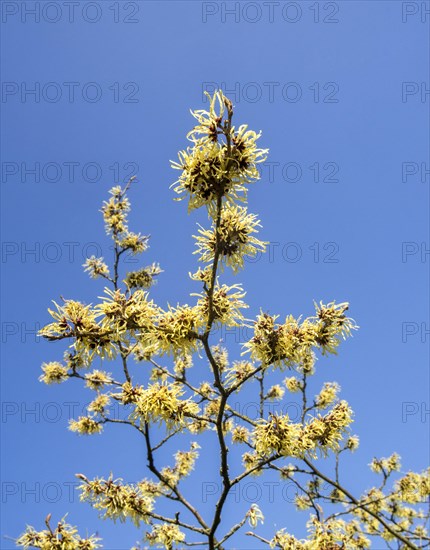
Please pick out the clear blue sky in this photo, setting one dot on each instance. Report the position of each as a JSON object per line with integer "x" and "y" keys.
{"x": 339, "y": 91}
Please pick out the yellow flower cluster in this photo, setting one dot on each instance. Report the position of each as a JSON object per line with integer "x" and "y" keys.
{"x": 281, "y": 436}
{"x": 134, "y": 314}
{"x": 202, "y": 275}
{"x": 54, "y": 373}
{"x": 123, "y": 318}
{"x": 96, "y": 267}
{"x": 165, "y": 535}
{"x": 254, "y": 515}
{"x": 332, "y": 534}
{"x": 182, "y": 363}
{"x": 161, "y": 402}
{"x": 302, "y": 502}
{"x": 78, "y": 321}
{"x": 99, "y": 404}
{"x": 233, "y": 240}
{"x": 327, "y": 396}
{"x": 280, "y": 345}
{"x": 239, "y": 434}
{"x": 184, "y": 464}
{"x": 206, "y": 389}
{"x": 293, "y": 384}
{"x": 290, "y": 344}
{"x": 115, "y": 212}
{"x": 63, "y": 537}
{"x": 386, "y": 465}
{"x": 85, "y": 425}
{"x": 129, "y": 393}
{"x": 97, "y": 379}
{"x": 352, "y": 442}
{"x": 332, "y": 325}
{"x": 275, "y": 392}
{"x": 414, "y": 487}
{"x": 177, "y": 330}
{"x": 238, "y": 372}
{"x": 116, "y": 500}
{"x": 185, "y": 460}
{"x": 285, "y": 541}
{"x": 143, "y": 278}
{"x": 325, "y": 432}
{"x": 220, "y": 355}
{"x": 336, "y": 533}
{"x": 212, "y": 408}
{"x": 226, "y": 305}
{"x": 222, "y": 160}
{"x": 278, "y": 435}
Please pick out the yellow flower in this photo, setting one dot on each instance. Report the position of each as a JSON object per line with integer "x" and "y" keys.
{"x": 117, "y": 500}
{"x": 238, "y": 372}
{"x": 277, "y": 435}
{"x": 129, "y": 393}
{"x": 85, "y": 426}
{"x": 143, "y": 278}
{"x": 302, "y": 502}
{"x": 49, "y": 539}
{"x": 77, "y": 321}
{"x": 332, "y": 325}
{"x": 281, "y": 345}
{"x": 161, "y": 402}
{"x": 325, "y": 432}
{"x": 255, "y": 515}
{"x": 99, "y": 404}
{"x": 352, "y": 442}
{"x": 177, "y": 331}
{"x": 165, "y": 535}
{"x": 239, "y": 434}
{"x": 414, "y": 487}
{"x": 97, "y": 379}
{"x": 115, "y": 212}
{"x": 233, "y": 240}
{"x": 275, "y": 392}
{"x": 226, "y": 305}
{"x": 327, "y": 395}
{"x": 293, "y": 384}
{"x": 222, "y": 160}
{"x": 96, "y": 267}
{"x": 54, "y": 373}
{"x": 135, "y": 242}
{"x": 291, "y": 343}
{"x": 251, "y": 461}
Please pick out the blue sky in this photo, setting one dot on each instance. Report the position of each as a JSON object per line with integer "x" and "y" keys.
{"x": 340, "y": 92}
